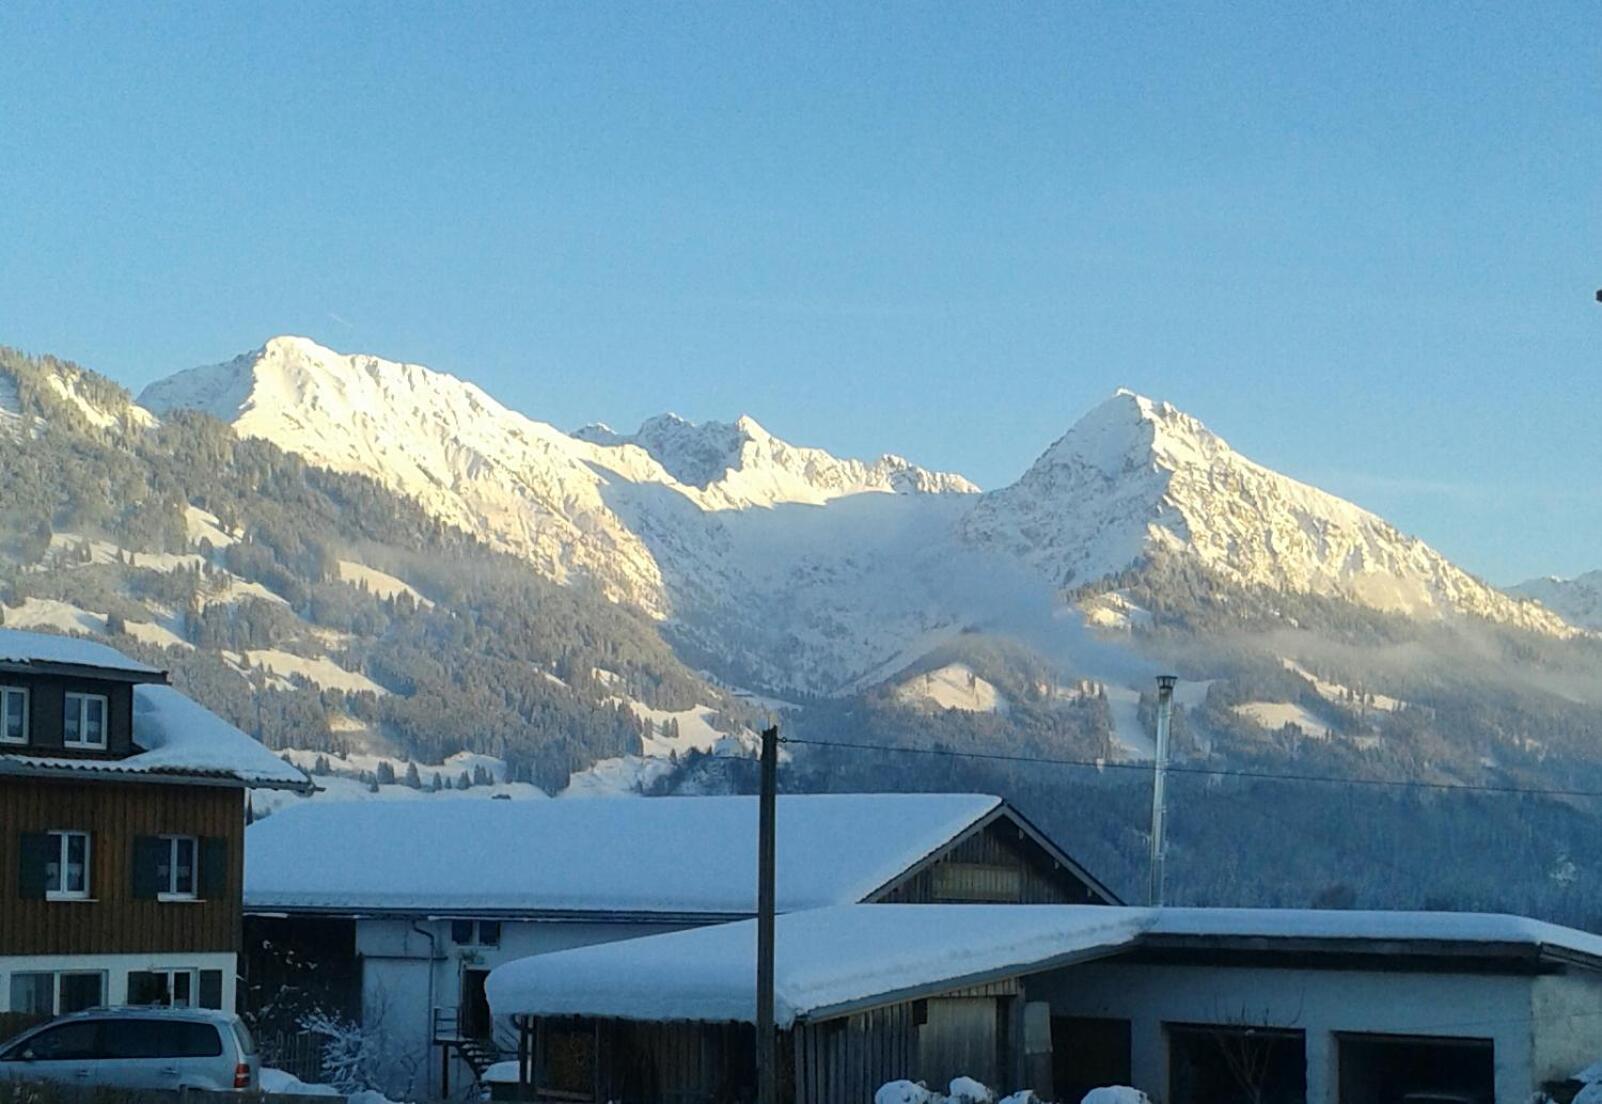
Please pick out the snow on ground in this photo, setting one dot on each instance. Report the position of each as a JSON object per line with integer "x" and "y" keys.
{"x": 1124, "y": 705}
{"x": 377, "y": 582}
{"x": 1276, "y": 715}
{"x": 203, "y": 525}
{"x": 157, "y": 633}
{"x": 355, "y": 763}
{"x": 954, "y": 686}
{"x": 67, "y": 548}
{"x": 319, "y": 670}
{"x": 337, "y": 788}
{"x": 695, "y": 728}
{"x": 622, "y": 776}
{"x": 48, "y": 613}
{"x": 66, "y": 386}
{"x": 1344, "y": 695}
{"x": 277, "y": 1081}
{"x": 1113, "y": 610}
{"x": 235, "y": 589}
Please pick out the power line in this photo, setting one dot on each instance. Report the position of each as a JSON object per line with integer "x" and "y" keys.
{"x": 1213, "y": 772}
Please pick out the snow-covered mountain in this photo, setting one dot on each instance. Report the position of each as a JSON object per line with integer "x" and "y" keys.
{"x": 1134, "y": 478}
{"x": 574, "y": 505}
{"x": 1577, "y": 600}
{"x": 799, "y": 570}
{"x": 747, "y": 466}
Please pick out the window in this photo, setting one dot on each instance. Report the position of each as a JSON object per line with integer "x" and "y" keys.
{"x": 67, "y": 866}
{"x": 44, "y": 993}
{"x": 178, "y": 988}
{"x": 175, "y": 868}
{"x": 13, "y": 715}
{"x": 79, "y": 990}
{"x": 69, "y": 1042}
{"x": 476, "y": 933}
{"x": 162, "y": 1038}
{"x": 33, "y": 994}
{"x": 85, "y": 722}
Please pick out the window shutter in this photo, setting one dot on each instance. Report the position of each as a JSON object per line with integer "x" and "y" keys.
{"x": 213, "y": 867}
{"x": 35, "y": 854}
{"x": 148, "y": 852}
{"x": 211, "y": 989}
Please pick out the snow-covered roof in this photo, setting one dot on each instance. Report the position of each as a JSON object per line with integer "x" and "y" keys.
{"x": 179, "y": 738}
{"x": 829, "y": 960}
{"x": 18, "y": 646}
{"x": 1355, "y": 925}
{"x": 662, "y": 855}
{"x": 825, "y": 961}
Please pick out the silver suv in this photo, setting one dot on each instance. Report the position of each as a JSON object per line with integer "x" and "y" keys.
{"x": 137, "y": 1048}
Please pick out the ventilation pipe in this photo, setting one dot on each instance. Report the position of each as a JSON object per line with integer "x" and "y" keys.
{"x": 1159, "y": 779}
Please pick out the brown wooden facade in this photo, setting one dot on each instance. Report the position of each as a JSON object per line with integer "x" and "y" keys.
{"x": 998, "y": 862}
{"x": 114, "y": 920}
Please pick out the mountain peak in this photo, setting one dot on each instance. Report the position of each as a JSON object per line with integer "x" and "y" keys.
{"x": 740, "y": 463}
{"x": 1135, "y": 479}
{"x": 1129, "y": 430}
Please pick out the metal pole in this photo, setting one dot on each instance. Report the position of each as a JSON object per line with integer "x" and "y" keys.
{"x": 1159, "y": 779}
{"x": 767, "y": 832}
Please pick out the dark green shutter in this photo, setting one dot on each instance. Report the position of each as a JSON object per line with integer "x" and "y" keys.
{"x": 148, "y": 854}
{"x": 213, "y": 867}
{"x": 211, "y": 989}
{"x": 35, "y": 855}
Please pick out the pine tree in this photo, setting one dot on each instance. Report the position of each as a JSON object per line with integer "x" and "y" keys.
{"x": 413, "y": 779}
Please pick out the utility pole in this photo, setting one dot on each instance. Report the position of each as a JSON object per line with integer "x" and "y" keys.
{"x": 767, "y": 834}
{"x": 1159, "y": 779}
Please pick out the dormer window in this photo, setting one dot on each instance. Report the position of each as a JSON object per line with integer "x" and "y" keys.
{"x": 85, "y": 721}
{"x": 13, "y": 715}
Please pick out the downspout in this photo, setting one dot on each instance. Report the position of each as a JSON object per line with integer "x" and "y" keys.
{"x": 433, "y": 958}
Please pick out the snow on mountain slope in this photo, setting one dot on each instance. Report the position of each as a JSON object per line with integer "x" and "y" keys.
{"x": 1134, "y": 477}
{"x": 742, "y": 464}
{"x": 1577, "y": 600}
{"x": 597, "y": 506}
{"x": 787, "y": 568}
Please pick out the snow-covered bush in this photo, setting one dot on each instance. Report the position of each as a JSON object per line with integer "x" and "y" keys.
{"x": 965, "y": 1090}
{"x": 1116, "y": 1094}
{"x": 903, "y": 1092}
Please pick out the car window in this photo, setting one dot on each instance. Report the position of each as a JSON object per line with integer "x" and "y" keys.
{"x": 247, "y": 1041}
{"x": 163, "y": 1039}
{"x": 64, "y": 1043}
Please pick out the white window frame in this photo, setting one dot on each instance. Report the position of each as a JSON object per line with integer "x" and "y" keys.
{"x": 83, "y": 718}
{"x": 171, "y": 892}
{"x": 172, "y": 973}
{"x": 9, "y": 694}
{"x": 60, "y": 892}
{"x": 57, "y": 977}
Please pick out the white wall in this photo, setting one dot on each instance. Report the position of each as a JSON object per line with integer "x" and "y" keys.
{"x": 1318, "y": 1002}
{"x": 1566, "y": 1024}
{"x": 395, "y": 983}
{"x": 117, "y": 968}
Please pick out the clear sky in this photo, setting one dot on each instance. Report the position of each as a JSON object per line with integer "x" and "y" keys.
{"x": 1360, "y": 241}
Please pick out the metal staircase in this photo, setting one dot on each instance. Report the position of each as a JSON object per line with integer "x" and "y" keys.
{"x": 478, "y": 1053}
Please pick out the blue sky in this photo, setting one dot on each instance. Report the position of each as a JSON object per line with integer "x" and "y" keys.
{"x": 1361, "y": 244}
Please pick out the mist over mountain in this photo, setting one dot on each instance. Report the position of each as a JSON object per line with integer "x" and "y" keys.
{"x": 369, "y": 553}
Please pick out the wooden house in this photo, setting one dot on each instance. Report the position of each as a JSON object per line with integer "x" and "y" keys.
{"x": 122, "y": 820}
